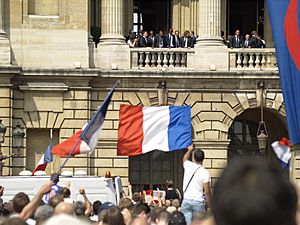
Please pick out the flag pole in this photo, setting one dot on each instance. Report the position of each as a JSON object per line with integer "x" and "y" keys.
{"x": 85, "y": 130}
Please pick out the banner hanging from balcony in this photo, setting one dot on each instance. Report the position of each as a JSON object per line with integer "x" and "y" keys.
{"x": 285, "y": 18}
{"x": 144, "y": 129}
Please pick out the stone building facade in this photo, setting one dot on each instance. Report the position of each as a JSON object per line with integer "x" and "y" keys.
{"x": 52, "y": 76}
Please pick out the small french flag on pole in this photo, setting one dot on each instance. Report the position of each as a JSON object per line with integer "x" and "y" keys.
{"x": 283, "y": 152}
{"x": 46, "y": 157}
{"x": 144, "y": 129}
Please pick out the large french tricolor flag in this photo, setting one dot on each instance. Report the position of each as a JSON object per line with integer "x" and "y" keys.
{"x": 285, "y": 17}
{"x": 86, "y": 139}
{"x": 144, "y": 129}
{"x": 282, "y": 150}
{"x": 45, "y": 159}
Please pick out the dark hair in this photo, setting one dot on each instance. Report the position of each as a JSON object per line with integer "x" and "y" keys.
{"x": 164, "y": 216}
{"x": 169, "y": 183}
{"x": 113, "y": 216}
{"x": 139, "y": 208}
{"x": 125, "y": 203}
{"x": 137, "y": 197}
{"x": 155, "y": 212}
{"x": 55, "y": 200}
{"x": 177, "y": 218}
{"x": 65, "y": 192}
{"x": 20, "y": 200}
{"x": 96, "y": 205}
{"x": 55, "y": 177}
{"x": 254, "y": 191}
{"x": 198, "y": 155}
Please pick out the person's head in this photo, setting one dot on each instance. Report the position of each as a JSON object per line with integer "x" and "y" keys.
{"x": 96, "y": 205}
{"x": 176, "y": 203}
{"x": 65, "y": 220}
{"x": 199, "y": 217}
{"x": 20, "y": 200}
{"x": 14, "y": 221}
{"x": 154, "y": 213}
{"x": 138, "y": 221}
{"x": 170, "y": 31}
{"x": 65, "y": 192}
{"x": 198, "y": 156}
{"x": 43, "y": 213}
{"x": 125, "y": 203}
{"x": 193, "y": 33}
{"x": 247, "y": 36}
{"x": 186, "y": 33}
{"x": 113, "y": 216}
{"x": 137, "y": 197}
{"x": 64, "y": 208}
{"x": 55, "y": 200}
{"x": 176, "y": 32}
{"x": 254, "y": 33}
{"x": 79, "y": 208}
{"x": 161, "y": 33}
{"x": 151, "y": 33}
{"x": 141, "y": 209}
{"x": 254, "y": 191}
{"x": 145, "y": 34}
{"x": 237, "y": 32}
{"x": 169, "y": 183}
{"x": 177, "y": 218}
{"x": 55, "y": 177}
{"x": 168, "y": 203}
{"x": 163, "y": 218}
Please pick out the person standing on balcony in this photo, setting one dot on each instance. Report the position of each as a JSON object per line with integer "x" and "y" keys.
{"x": 177, "y": 39}
{"x": 160, "y": 40}
{"x": 196, "y": 184}
{"x": 254, "y": 41}
{"x": 143, "y": 41}
{"x": 193, "y": 39}
{"x": 151, "y": 38}
{"x": 170, "y": 39}
{"x": 186, "y": 40}
{"x": 236, "y": 40}
{"x": 246, "y": 42}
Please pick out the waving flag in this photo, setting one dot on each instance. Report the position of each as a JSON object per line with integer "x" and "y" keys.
{"x": 282, "y": 150}
{"x": 85, "y": 140}
{"x": 144, "y": 129}
{"x": 46, "y": 157}
{"x": 285, "y": 17}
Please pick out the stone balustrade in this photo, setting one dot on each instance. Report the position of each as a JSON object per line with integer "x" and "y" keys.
{"x": 252, "y": 59}
{"x": 162, "y": 57}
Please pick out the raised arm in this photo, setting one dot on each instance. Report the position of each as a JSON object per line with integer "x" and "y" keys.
{"x": 30, "y": 208}
{"x": 88, "y": 207}
{"x": 207, "y": 192}
{"x": 187, "y": 154}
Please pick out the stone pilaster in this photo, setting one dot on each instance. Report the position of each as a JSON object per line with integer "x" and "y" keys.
{"x": 4, "y": 42}
{"x": 112, "y": 52}
{"x": 210, "y": 51}
{"x": 112, "y": 22}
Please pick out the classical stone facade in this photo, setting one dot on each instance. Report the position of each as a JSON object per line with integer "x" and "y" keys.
{"x": 53, "y": 77}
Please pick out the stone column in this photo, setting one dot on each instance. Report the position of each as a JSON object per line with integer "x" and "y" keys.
{"x": 112, "y": 22}
{"x": 295, "y": 166}
{"x": 209, "y": 23}
{"x": 2, "y": 32}
{"x": 112, "y": 52}
{"x": 210, "y": 51}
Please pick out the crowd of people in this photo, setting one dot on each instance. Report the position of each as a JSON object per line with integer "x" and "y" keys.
{"x": 247, "y": 41}
{"x": 173, "y": 39}
{"x": 250, "y": 191}
{"x": 162, "y": 39}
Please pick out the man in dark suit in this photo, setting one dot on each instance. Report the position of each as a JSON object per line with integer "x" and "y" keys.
{"x": 170, "y": 39}
{"x": 160, "y": 40}
{"x": 151, "y": 38}
{"x": 236, "y": 40}
{"x": 185, "y": 40}
{"x": 177, "y": 39}
{"x": 254, "y": 42}
{"x": 143, "y": 41}
{"x": 193, "y": 39}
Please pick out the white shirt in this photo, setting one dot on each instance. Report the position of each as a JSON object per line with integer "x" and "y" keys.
{"x": 195, "y": 188}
